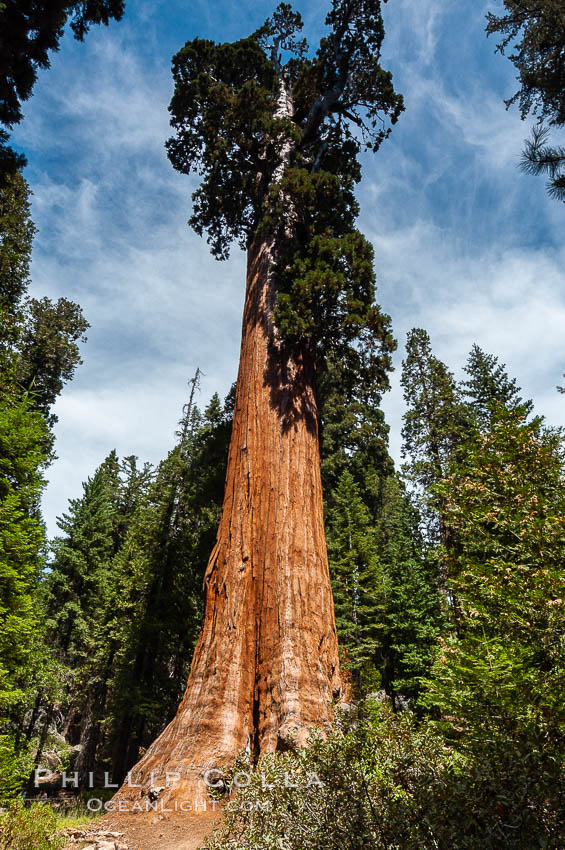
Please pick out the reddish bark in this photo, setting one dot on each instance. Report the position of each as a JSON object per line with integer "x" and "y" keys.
{"x": 266, "y": 663}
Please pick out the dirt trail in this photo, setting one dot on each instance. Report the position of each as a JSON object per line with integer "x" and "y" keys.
{"x": 174, "y": 832}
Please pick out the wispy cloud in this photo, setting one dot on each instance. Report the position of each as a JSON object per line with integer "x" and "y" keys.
{"x": 465, "y": 245}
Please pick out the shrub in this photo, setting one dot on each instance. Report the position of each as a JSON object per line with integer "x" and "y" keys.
{"x": 14, "y": 768}
{"x": 29, "y": 829}
{"x": 380, "y": 781}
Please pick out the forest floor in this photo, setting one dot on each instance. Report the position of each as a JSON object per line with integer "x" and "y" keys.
{"x": 174, "y": 832}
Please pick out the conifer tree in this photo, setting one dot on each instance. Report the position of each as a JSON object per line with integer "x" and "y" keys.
{"x": 435, "y": 423}
{"x": 128, "y": 485}
{"x": 275, "y": 135}
{"x": 81, "y": 561}
{"x": 411, "y": 617}
{"x": 157, "y": 607}
{"x": 22, "y": 436}
{"x": 499, "y": 680}
{"x": 357, "y": 581}
{"x": 80, "y": 595}
{"x": 38, "y": 353}
{"x": 489, "y": 385}
{"x": 353, "y": 432}
{"x": 535, "y": 32}
{"x": 38, "y": 338}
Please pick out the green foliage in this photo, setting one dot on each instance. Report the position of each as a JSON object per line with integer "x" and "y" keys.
{"x": 225, "y": 110}
{"x": 38, "y": 338}
{"x": 48, "y": 350}
{"x": 16, "y": 238}
{"x": 356, "y": 579}
{"x": 15, "y": 767}
{"x": 158, "y": 606}
{"x": 38, "y": 353}
{"x": 535, "y": 32}
{"x": 79, "y": 570}
{"x": 499, "y": 680}
{"x": 386, "y": 594}
{"x": 28, "y": 32}
{"x": 33, "y": 828}
{"x": 370, "y": 784}
{"x": 124, "y": 594}
{"x": 326, "y": 282}
{"x": 496, "y": 482}
{"x": 274, "y": 145}
{"x": 489, "y": 386}
{"x": 222, "y": 112}
{"x": 435, "y": 424}
{"x": 538, "y": 157}
{"x": 22, "y": 435}
{"x": 411, "y": 617}
{"x": 353, "y": 433}
{"x": 379, "y": 782}
{"x": 507, "y": 507}
{"x": 83, "y": 591}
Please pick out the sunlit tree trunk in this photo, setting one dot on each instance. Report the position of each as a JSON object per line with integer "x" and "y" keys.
{"x": 266, "y": 665}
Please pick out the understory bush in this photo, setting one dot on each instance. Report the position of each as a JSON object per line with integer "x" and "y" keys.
{"x": 33, "y": 828}
{"x": 15, "y": 767}
{"x": 380, "y": 781}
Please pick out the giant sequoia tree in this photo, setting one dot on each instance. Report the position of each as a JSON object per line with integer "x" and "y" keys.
{"x": 274, "y": 130}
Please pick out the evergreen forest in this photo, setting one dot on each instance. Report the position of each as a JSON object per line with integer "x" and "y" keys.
{"x": 443, "y": 721}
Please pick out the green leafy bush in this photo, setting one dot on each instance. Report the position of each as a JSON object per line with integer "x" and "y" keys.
{"x": 29, "y": 829}
{"x": 380, "y": 781}
{"x": 15, "y": 767}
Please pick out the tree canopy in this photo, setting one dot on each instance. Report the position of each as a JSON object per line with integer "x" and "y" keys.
{"x": 29, "y": 30}
{"x": 274, "y": 130}
{"x": 535, "y": 31}
{"x": 229, "y": 126}
{"x": 38, "y": 337}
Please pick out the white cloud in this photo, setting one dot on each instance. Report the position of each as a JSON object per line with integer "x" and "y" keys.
{"x": 511, "y": 303}
{"x": 465, "y": 246}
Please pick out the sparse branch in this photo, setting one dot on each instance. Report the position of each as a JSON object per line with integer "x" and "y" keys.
{"x": 539, "y": 158}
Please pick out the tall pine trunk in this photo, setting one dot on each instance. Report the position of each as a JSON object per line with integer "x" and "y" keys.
{"x": 266, "y": 664}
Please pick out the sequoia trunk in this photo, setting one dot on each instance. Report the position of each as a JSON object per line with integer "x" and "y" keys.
{"x": 266, "y": 664}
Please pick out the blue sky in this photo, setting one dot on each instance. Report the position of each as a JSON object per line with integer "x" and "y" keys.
{"x": 466, "y": 246}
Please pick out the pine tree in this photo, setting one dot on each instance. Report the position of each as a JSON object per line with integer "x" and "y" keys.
{"x": 81, "y": 562}
{"x": 82, "y": 591}
{"x": 412, "y": 617}
{"x": 38, "y": 338}
{"x": 353, "y": 432}
{"x": 38, "y": 353}
{"x": 275, "y": 137}
{"x": 158, "y": 605}
{"x": 435, "y": 423}
{"x": 357, "y": 581}
{"x": 499, "y": 681}
{"x": 22, "y": 432}
{"x": 535, "y": 32}
{"x": 16, "y": 239}
{"x": 489, "y": 385}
